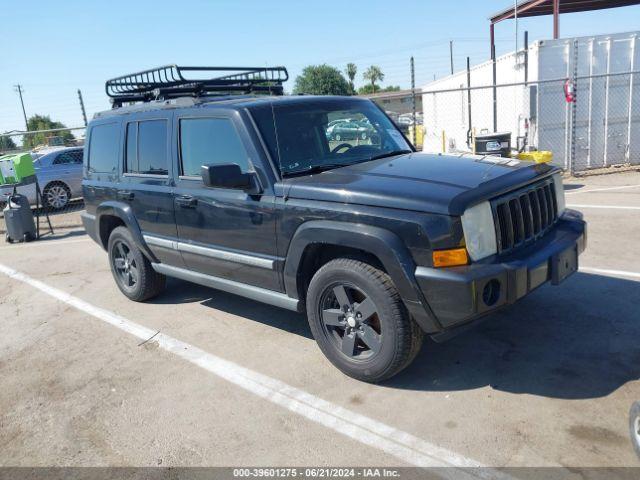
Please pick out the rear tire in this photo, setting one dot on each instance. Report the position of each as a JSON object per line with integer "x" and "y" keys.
{"x": 359, "y": 321}
{"x": 132, "y": 271}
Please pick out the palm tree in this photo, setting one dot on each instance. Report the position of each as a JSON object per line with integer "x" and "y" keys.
{"x": 351, "y": 71}
{"x": 373, "y": 74}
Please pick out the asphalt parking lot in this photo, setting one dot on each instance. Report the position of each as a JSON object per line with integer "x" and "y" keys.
{"x": 200, "y": 377}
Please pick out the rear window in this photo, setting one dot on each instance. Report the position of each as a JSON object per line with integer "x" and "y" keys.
{"x": 103, "y": 148}
{"x": 147, "y": 148}
{"x": 67, "y": 158}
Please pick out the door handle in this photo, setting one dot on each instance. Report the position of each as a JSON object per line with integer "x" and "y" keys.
{"x": 187, "y": 201}
{"x": 125, "y": 195}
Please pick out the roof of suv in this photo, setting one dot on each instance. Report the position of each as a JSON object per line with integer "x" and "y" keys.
{"x": 220, "y": 101}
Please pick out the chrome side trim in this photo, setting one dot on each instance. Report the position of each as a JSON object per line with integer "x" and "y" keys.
{"x": 251, "y": 260}
{"x": 160, "y": 242}
{"x": 249, "y": 291}
{"x": 228, "y": 256}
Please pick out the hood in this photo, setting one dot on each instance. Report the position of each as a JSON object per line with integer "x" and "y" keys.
{"x": 422, "y": 182}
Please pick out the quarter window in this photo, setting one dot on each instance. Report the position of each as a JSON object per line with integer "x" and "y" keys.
{"x": 103, "y": 148}
{"x": 210, "y": 141}
{"x": 147, "y": 148}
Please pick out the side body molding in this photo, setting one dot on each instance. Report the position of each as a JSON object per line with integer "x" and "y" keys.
{"x": 384, "y": 244}
{"x": 123, "y": 212}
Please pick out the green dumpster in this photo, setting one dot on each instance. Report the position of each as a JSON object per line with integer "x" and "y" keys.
{"x": 23, "y": 167}
{"x": 7, "y": 172}
{"x": 17, "y": 169}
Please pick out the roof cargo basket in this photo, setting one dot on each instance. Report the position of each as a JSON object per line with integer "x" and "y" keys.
{"x": 172, "y": 81}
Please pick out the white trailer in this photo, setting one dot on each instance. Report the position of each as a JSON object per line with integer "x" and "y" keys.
{"x": 599, "y": 129}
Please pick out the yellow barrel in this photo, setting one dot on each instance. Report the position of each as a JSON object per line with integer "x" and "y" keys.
{"x": 537, "y": 157}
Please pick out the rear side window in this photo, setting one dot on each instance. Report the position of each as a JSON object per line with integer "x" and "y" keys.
{"x": 103, "y": 148}
{"x": 147, "y": 148}
{"x": 210, "y": 141}
{"x": 69, "y": 158}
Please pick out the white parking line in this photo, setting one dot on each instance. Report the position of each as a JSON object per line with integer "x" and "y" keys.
{"x": 368, "y": 431}
{"x": 613, "y": 207}
{"x": 613, "y": 273}
{"x": 44, "y": 243}
{"x": 601, "y": 189}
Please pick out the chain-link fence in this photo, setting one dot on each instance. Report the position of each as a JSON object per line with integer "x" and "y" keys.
{"x": 57, "y": 159}
{"x": 587, "y": 122}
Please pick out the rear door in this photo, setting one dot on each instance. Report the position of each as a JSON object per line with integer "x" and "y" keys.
{"x": 147, "y": 181}
{"x": 223, "y": 232}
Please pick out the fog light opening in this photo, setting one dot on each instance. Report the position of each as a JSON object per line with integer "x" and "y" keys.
{"x": 491, "y": 292}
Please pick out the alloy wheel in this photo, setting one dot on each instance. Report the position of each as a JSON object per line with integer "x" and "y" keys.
{"x": 350, "y": 321}
{"x": 57, "y": 196}
{"x": 125, "y": 264}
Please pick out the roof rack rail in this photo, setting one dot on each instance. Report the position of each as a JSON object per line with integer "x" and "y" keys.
{"x": 171, "y": 81}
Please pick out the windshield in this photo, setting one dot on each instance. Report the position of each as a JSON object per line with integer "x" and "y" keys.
{"x": 319, "y": 134}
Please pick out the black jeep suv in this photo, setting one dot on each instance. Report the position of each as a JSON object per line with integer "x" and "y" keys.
{"x": 377, "y": 243}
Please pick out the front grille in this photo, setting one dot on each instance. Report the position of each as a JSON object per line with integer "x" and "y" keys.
{"x": 524, "y": 215}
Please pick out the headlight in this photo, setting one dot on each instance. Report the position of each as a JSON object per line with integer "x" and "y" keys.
{"x": 559, "y": 187}
{"x": 479, "y": 231}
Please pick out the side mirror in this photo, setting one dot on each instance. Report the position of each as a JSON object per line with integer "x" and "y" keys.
{"x": 230, "y": 175}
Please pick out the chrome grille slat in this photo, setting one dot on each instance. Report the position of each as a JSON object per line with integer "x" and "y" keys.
{"x": 524, "y": 215}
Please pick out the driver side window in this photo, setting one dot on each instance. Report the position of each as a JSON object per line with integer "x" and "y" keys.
{"x": 210, "y": 141}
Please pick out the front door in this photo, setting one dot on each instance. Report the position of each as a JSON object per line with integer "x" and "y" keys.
{"x": 223, "y": 232}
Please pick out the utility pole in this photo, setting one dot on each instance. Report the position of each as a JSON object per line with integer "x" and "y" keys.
{"x": 84, "y": 114}
{"x": 413, "y": 101}
{"x": 451, "y": 54}
{"x": 19, "y": 90}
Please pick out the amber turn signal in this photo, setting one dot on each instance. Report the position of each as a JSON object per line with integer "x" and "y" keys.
{"x": 450, "y": 258}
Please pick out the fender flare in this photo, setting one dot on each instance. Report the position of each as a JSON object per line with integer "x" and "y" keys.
{"x": 123, "y": 212}
{"x": 384, "y": 244}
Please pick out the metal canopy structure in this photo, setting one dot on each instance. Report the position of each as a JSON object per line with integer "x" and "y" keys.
{"x": 535, "y": 8}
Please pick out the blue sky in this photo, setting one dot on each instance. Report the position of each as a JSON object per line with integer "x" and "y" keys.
{"x": 54, "y": 48}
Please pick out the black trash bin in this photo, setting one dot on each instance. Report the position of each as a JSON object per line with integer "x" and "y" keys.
{"x": 19, "y": 219}
{"x": 498, "y": 144}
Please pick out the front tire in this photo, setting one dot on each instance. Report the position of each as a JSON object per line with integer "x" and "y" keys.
{"x": 131, "y": 270}
{"x": 359, "y": 321}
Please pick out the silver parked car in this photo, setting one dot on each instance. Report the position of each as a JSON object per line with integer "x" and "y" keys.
{"x": 59, "y": 172}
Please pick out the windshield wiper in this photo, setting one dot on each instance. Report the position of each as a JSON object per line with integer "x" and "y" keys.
{"x": 390, "y": 154}
{"x": 315, "y": 169}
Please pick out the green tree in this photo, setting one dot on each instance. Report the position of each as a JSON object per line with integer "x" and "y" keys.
{"x": 373, "y": 74}
{"x": 368, "y": 89}
{"x": 43, "y": 122}
{"x": 351, "y": 71}
{"x": 6, "y": 144}
{"x": 321, "y": 80}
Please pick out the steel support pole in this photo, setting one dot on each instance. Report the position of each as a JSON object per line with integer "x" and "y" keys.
{"x": 556, "y": 19}
{"x": 413, "y": 102}
{"x": 495, "y": 91}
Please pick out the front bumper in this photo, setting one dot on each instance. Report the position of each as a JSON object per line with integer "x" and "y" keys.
{"x": 459, "y": 295}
